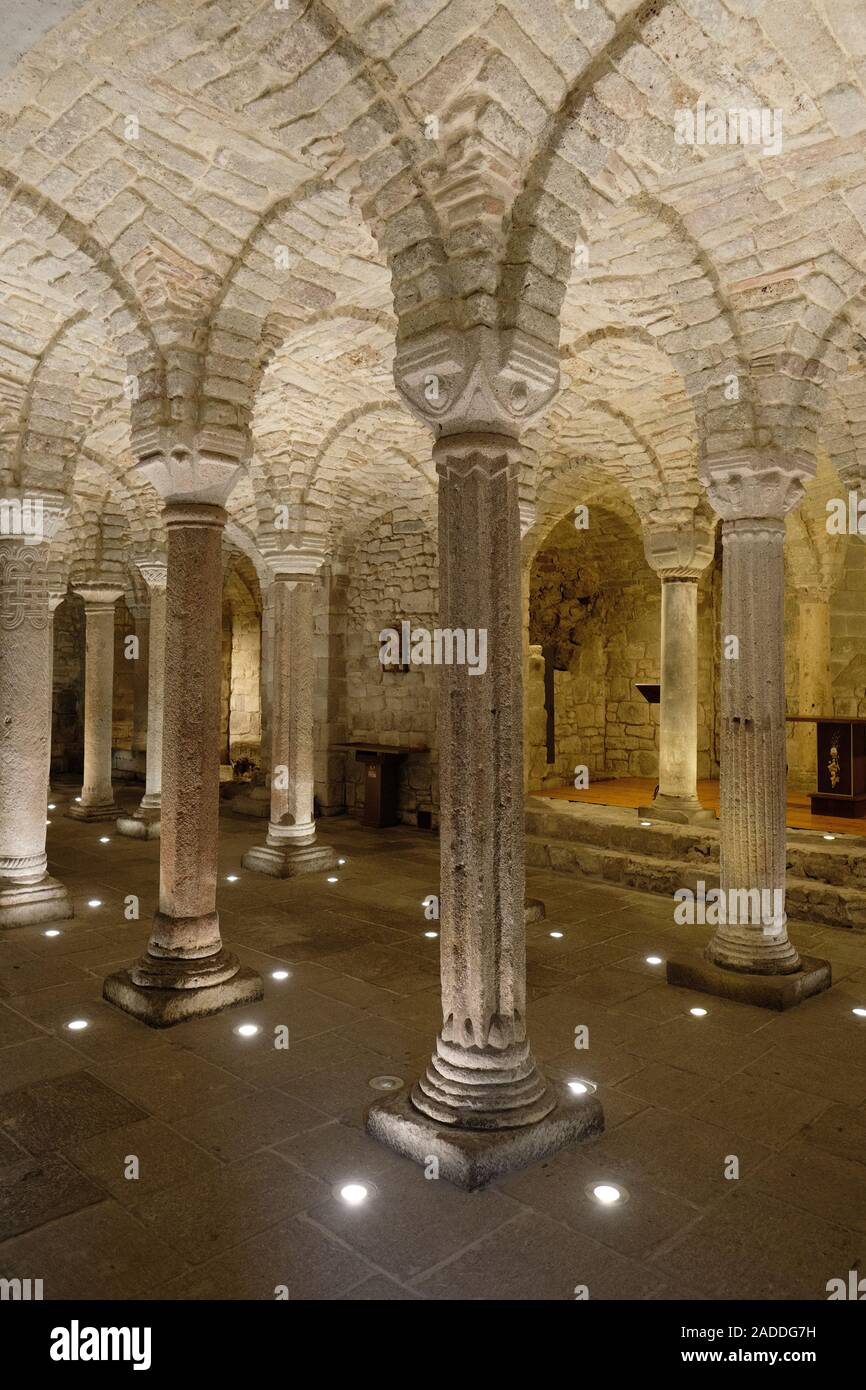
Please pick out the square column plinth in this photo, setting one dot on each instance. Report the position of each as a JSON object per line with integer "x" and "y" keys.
{"x": 692, "y": 970}
{"x": 163, "y": 1008}
{"x": 471, "y": 1158}
{"x": 288, "y": 862}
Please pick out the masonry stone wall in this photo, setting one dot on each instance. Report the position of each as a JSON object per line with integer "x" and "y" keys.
{"x": 595, "y": 610}
{"x": 394, "y": 577}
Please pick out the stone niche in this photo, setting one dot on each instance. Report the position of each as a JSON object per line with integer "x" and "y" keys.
{"x": 595, "y": 614}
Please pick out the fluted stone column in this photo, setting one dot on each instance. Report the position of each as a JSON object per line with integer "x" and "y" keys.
{"x": 144, "y": 823}
{"x": 186, "y": 972}
{"x": 679, "y": 557}
{"x": 97, "y": 797}
{"x": 28, "y": 893}
{"x": 752, "y": 497}
{"x": 290, "y": 847}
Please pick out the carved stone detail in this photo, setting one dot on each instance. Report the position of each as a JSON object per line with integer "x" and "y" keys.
{"x": 481, "y": 380}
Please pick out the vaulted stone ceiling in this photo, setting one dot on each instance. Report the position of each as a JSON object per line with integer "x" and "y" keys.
{"x": 243, "y": 210}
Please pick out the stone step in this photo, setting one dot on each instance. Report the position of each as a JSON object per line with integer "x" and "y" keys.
{"x": 826, "y": 880}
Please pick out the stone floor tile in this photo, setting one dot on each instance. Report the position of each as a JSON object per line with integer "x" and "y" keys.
{"x": 53, "y": 1114}
{"x": 99, "y": 1252}
{"x": 206, "y": 1215}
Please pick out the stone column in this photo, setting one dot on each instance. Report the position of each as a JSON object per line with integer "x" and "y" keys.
{"x": 140, "y": 614}
{"x": 27, "y": 892}
{"x": 752, "y": 499}
{"x": 55, "y": 598}
{"x": 144, "y": 823}
{"x": 482, "y": 1078}
{"x": 257, "y": 801}
{"x": 815, "y": 684}
{"x": 679, "y": 556}
{"x": 185, "y": 971}
{"x": 290, "y": 847}
{"x": 97, "y": 798}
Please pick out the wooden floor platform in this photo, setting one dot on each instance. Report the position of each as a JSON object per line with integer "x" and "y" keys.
{"x": 638, "y": 791}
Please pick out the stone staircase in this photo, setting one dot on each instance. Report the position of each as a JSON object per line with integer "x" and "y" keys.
{"x": 826, "y": 880}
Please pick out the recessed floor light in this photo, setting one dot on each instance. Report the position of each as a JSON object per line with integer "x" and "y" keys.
{"x": 646, "y": 822}
{"x": 48, "y": 822}
{"x": 52, "y": 931}
{"x": 385, "y": 1083}
{"x": 861, "y": 1013}
{"x": 354, "y": 1194}
{"x": 654, "y": 960}
{"x": 698, "y": 1013}
{"x": 578, "y": 1087}
{"x": 105, "y": 839}
{"x": 557, "y": 935}
{"x": 279, "y": 974}
{"x": 231, "y": 878}
{"x": 829, "y": 837}
{"x": 247, "y": 1030}
{"x": 94, "y": 902}
{"x": 77, "y": 798}
{"x": 607, "y": 1194}
{"x": 52, "y": 806}
{"x": 76, "y": 1025}
{"x": 331, "y": 879}
{"x": 341, "y": 861}
{"x": 431, "y": 934}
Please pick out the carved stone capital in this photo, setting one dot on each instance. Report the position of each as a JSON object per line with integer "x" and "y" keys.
{"x": 294, "y": 566}
{"x": 459, "y": 455}
{"x": 154, "y": 573}
{"x": 482, "y": 380}
{"x": 679, "y": 553}
{"x": 23, "y": 585}
{"x": 100, "y": 594}
{"x": 755, "y": 483}
{"x": 188, "y": 465}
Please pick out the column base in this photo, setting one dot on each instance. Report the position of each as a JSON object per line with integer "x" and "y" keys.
{"x": 287, "y": 863}
{"x": 141, "y": 825}
{"x": 24, "y": 904}
{"x": 692, "y": 970}
{"x": 533, "y": 911}
{"x": 680, "y": 811}
{"x": 472, "y": 1158}
{"x": 101, "y": 810}
{"x": 163, "y": 1008}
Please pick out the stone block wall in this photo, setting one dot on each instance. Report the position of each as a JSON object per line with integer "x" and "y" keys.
{"x": 393, "y": 577}
{"x": 595, "y": 606}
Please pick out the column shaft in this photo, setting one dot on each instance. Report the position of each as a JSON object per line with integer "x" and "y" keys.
{"x": 291, "y": 846}
{"x": 186, "y": 971}
{"x": 155, "y": 695}
{"x": 482, "y": 1075}
{"x": 752, "y": 764}
{"x": 678, "y": 730}
{"x": 97, "y": 798}
{"x": 27, "y": 893}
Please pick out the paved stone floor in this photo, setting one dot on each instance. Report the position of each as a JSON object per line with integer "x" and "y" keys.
{"x": 240, "y": 1145}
